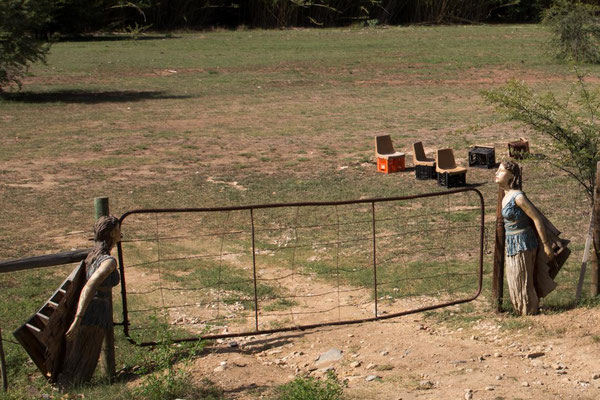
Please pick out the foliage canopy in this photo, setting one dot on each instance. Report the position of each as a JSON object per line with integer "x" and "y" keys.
{"x": 18, "y": 46}
{"x": 576, "y": 30}
{"x": 572, "y": 125}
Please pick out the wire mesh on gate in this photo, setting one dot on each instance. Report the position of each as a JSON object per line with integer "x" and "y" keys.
{"x": 233, "y": 271}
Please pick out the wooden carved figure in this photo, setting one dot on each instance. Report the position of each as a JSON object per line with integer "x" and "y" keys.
{"x": 93, "y": 316}
{"x": 530, "y": 243}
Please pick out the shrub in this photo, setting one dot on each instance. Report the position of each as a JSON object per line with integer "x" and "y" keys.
{"x": 576, "y": 30}
{"x": 311, "y": 389}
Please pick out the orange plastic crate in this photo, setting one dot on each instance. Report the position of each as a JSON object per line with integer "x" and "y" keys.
{"x": 391, "y": 164}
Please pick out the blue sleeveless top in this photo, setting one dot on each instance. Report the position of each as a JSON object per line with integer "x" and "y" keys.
{"x": 520, "y": 235}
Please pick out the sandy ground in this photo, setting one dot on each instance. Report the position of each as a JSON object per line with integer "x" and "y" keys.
{"x": 416, "y": 358}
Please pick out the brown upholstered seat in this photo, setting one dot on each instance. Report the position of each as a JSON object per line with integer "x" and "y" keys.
{"x": 447, "y": 164}
{"x": 419, "y": 157}
{"x": 384, "y": 147}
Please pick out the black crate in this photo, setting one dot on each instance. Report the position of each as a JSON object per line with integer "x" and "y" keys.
{"x": 482, "y": 157}
{"x": 455, "y": 180}
{"x": 423, "y": 172}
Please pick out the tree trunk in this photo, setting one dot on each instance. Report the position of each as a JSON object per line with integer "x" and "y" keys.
{"x": 596, "y": 234}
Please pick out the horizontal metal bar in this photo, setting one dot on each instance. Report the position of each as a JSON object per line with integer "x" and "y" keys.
{"x": 49, "y": 260}
{"x": 301, "y": 204}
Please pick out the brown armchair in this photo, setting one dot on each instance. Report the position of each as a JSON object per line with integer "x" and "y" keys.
{"x": 424, "y": 166}
{"x": 449, "y": 174}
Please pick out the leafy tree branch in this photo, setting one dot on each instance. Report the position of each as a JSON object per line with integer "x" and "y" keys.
{"x": 572, "y": 127}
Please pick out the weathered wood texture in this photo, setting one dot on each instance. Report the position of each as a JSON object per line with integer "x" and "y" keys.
{"x": 50, "y": 260}
{"x": 101, "y": 208}
{"x": 43, "y": 335}
{"x": 596, "y": 234}
{"x": 108, "y": 349}
{"x": 586, "y": 255}
{"x": 498, "y": 270}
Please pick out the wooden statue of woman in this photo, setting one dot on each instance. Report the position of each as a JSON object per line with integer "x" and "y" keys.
{"x": 92, "y": 318}
{"x": 529, "y": 244}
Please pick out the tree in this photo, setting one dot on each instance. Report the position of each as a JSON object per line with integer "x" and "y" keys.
{"x": 573, "y": 125}
{"x": 19, "y": 22}
{"x": 576, "y": 30}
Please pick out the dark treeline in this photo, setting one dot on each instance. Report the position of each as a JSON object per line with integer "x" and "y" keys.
{"x": 81, "y": 16}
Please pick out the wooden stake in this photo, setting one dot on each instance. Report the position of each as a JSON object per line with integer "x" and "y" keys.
{"x": 498, "y": 272}
{"x": 3, "y": 365}
{"x": 586, "y": 255}
{"x": 101, "y": 207}
{"x": 108, "y": 345}
{"x": 596, "y": 233}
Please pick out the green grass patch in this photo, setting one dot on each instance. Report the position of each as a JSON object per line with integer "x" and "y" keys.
{"x": 463, "y": 317}
{"x": 398, "y": 280}
{"x": 147, "y": 123}
{"x": 515, "y": 323}
{"x": 311, "y": 389}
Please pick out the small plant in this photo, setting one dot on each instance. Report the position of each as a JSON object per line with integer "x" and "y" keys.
{"x": 311, "y": 389}
{"x": 515, "y": 323}
{"x": 164, "y": 378}
{"x": 576, "y": 30}
{"x": 372, "y": 23}
{"x": 136, "y": 30}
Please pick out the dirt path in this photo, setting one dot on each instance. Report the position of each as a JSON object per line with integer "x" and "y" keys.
{"x": 414, "y": 358}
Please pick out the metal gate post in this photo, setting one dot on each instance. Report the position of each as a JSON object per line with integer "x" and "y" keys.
{"x": 254, "y": 270}
{"x": 374, "y": 259}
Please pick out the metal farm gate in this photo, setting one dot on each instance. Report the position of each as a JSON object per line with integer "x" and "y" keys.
{"x": 209, "y": 273}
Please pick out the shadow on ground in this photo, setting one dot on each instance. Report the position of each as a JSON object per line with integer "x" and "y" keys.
{"x": 114, "y": 38}
{"x": 257, "y": 345}
{"x": 88, "y": 96}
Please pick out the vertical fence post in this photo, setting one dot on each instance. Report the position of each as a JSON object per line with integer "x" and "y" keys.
{"x": 254, "y": 271}
{"x": 101, "y": 207}
{"x": 585, "y": 258}
{"x": 498, "y": 272}
{"x": 108, "y": 345}
{"x": 596, "y": 233}
{"x": 3, "y": 365}
{"x": 374, "y": 259}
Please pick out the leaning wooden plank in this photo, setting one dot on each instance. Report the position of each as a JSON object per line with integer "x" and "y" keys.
{"x": 34, "y": 348}
{"x": 42, "y": 335}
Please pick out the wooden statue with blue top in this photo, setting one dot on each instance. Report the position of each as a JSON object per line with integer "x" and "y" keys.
{"x": 533, "y": 251}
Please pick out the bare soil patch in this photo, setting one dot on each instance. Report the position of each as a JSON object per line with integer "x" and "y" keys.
{"x": 412, "y": 357}
{"x": 416, "y": 358}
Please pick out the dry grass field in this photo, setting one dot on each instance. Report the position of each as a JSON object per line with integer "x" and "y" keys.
{"x": 230, "y": 118}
